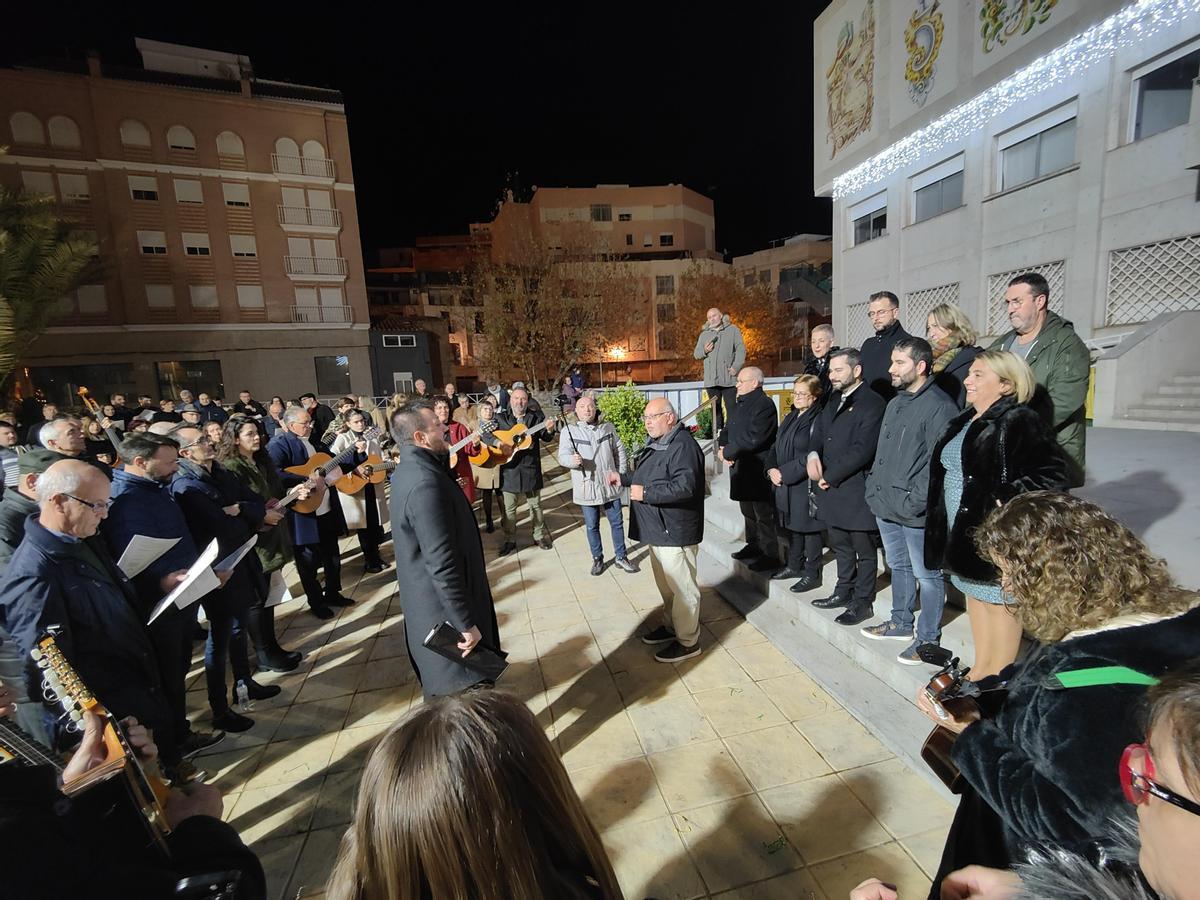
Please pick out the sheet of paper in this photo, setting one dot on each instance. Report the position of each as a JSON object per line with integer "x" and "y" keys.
{"x": 199, "y": 580}
{"x": 236, "y": 556}
{"x": 141, "y": 552}
{"x": 278, "y": 592}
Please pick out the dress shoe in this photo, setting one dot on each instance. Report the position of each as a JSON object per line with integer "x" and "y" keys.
{"x": 506, "y": 548}
{"x": 232, "y": 722}
{"x": 785, "y": 572}
{"x": 374, "y": 567}
{"x": 321, "y": 612}
{"x": 338, "y": 600}
{"x": 855, "y": 613}
{"x": 750, "y": 551}
{"x": 279, "y": 660}
{"x": 256, "y": 691}
{"x": 490, "y": 528}
{"x": 831, "y": 602}
{"x": 805, "y": 584}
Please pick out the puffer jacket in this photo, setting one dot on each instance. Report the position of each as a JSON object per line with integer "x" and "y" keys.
{"x": 602, "y": 452}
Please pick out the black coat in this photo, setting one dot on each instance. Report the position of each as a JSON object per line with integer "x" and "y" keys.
{"x": 1007, "y": 451}
{"x": 439, "y": 566}
{"x": 747, "y": 438}
{"x": 846, "y": 440}
{"x": 322, "y": 418}
{"x": 671, "y": 473}
{"x": 790, "y": 457}
{"x": 876, "y": 355}
{"x": 819, "y": 367}
{"x": 523, "y": 474}
{"x": 15, "y": 508}
{"x": 951, "y": 378}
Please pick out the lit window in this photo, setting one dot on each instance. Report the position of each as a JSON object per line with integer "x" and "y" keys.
{"x": 143, "y": 187}
{"x": 196, "y": 244}
{"x": 236, "y": 194}
{"x": 187, "y": 191}
{"x": 243, "y": 245}
{"x": 152, "y": 243}
{"x": 1163, "y": 94}
{"x": 180, "y": 138}
{"x": 1038, "y": 148}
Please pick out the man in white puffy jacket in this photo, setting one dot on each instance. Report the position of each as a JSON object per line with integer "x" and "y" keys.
{"x": 591, "y": 449}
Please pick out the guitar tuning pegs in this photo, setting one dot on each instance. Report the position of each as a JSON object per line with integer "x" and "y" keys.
{"x": 36, "y": 653}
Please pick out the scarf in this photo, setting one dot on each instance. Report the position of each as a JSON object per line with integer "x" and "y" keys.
{"x": 944, "y": 351}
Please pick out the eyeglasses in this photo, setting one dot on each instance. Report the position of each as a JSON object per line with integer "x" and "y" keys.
{"x": 654, "y": 415}
{"x": 875, "y": 314}
{"x": 1139, "y": 785}
{"x": 200, "y": 442}
{"x": 94, "y": 505}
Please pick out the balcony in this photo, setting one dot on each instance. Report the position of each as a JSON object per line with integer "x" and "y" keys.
{"x": 310, "y": 219}
{"x": 302, "y": 166}
{"x": 322, "y": 315}
{"x": 315, "y": 268}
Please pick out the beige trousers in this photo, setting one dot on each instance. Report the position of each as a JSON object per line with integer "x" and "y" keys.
{"x": 675, "y": 574}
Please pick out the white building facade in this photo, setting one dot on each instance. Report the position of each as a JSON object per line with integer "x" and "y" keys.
{"x": 966, "y": 141}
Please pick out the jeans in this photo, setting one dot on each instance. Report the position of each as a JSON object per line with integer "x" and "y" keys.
{"x": 226, "y": 639}
{"x": 905, "y": 549}
{"x": 591, "y": 519}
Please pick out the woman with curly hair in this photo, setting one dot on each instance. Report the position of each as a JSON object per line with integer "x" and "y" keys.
{"x": 1037, "y": 756}
{"x": 952, "y": 337}
{"x": 467, "y": 798}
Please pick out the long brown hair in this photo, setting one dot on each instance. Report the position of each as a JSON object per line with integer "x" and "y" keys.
{"x": 466, "y": 798}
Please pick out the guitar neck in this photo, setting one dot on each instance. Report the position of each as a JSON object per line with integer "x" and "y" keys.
{"x": 24, "y": 747}
{"x": 368, "y": 435}
{"x": 468, "y": 439}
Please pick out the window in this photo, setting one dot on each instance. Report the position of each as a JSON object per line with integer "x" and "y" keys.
{"x": 601, "y": 212}
{"x": 333, "y": 374}
{"x": 92, "y": 299}
{"x": 64, "y": 132}
{"x": 666, "y": 341}
{"x": 243, "y": 245}
{"x": 195, "y": 243}
{"x": 74, "y": 188}
{"x": 143, "y": 187}
{"x": 937, "y": 190}
{"x": 748, "y": 280}
{"x": 629, "y": 240}
{"x": 664, "y": 284}
{"x": 313, "y": 150}
{"x": 666, "y": 240}
{"x": 478, "y": 323}
{"x": 331, "y": 296}
{"x": 250, "y": 296}
{"x": 666, "y": 312}
{"x": 153, "y": 243}
{"x": 399, "y": 340}
{"x": 187, "y": 191}
{"x": 648, "y": 240}
{"x": 764, "y": 276}
{"x": 868, "y": 218}
{"x": 1162, "y": 95}
{"x": 134, "y": 134}
{"x": 1038, "y": 148}
{"x": 26, "y": 129}
{"x": 195, "y": 375}
{"x": 38, "y": 183}
{"x": 160, "y": 296}
{"x": 204, "y": 296}
{"x": 180, "y": 138}
{"x": 229, "y": 144}
{"x": 625, "y": 217}
{"x": 236, "y": 194}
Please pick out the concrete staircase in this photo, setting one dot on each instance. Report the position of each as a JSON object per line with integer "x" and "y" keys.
{"x": 1175, "y": 404}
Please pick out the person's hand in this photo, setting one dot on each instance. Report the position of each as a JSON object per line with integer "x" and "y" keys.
{"x": 874, "y": 889}
{"x": 171, "y": 580}
{"x": 614, "y": 479}
{"x": 709, "y": 346}
{"x": 362, "y": 471}
{"x": 553, "y": 425}
{"x": 732, "y": 370}
{"x": 304, "y": 490}
{"x": 469, "y": 640}
{"x": 273, "y": 517}
{"x": 140, "y": 739}
{"x": 637, "y": 492}
{"x": 962, "y": 711}
{"x": 8, "y": 698}
{"x": 106, "y": 422}
{"x": 823, "y": 484}
{"x": 721, "y": 455}
{"x": 232, "y": 509}
{"x": 194, "y": 800}
{"x": 91, "y": 751}
{"x": 223, "y": 576}
{"x": 815, "y": 470}
{"x": 776, "y": 477}
{"x": 360, "y": 446}
{"x": 980, "y": 883}
{"x": 576, "y": 461}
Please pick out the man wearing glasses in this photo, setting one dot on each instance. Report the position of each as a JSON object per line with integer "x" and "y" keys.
{"x": 666, "y": 490}
{"x": 876, "y": 352}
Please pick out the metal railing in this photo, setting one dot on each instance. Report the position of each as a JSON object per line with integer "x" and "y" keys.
{"x": 315, "y": 265}
{"x": 310, "y": 166}
{"x": 329, "y": 315}
{"x": 309, "y": 215}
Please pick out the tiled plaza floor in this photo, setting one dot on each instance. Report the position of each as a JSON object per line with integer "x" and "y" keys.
{"x": 731, "y": 775}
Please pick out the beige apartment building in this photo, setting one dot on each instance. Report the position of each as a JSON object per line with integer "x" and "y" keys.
{"x": 223, "y": 207}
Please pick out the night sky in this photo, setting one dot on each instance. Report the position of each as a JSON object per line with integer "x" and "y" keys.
{"x": 449, "y": 104}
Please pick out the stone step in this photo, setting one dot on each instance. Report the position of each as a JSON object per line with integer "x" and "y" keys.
{"x": 1173, "y": 402}
{"x": 1158, "y": 414}
{"x": 1179, "y": 390}
{"x": 1185, "y": 379}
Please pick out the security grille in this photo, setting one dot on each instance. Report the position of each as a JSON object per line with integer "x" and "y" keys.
{"x": 858, "y": 326}
{"x": 918, "y": 304}
{"x": 1151, "y": 279}
{"x": 1055, "y": 274}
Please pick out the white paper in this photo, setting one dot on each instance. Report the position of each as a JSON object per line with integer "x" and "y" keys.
{"x": 236, "y": 556}
{"x": 278, "y": 592}
{"x": 141, "y": 552}
{"x": 199, "y": 580}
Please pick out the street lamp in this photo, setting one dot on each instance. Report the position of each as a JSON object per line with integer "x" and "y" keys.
{"x": 614, "y": 352}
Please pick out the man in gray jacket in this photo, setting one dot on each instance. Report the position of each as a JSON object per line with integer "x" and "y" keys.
{"x": 896, "y": 494}
{"x": 721, "y": 347}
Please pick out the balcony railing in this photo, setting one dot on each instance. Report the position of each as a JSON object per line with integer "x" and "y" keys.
{"x": 302, "y": 165}
{"x": 309, "y": 215}
{"x": 329, "y": 315}
{"x": 315, "y": 265}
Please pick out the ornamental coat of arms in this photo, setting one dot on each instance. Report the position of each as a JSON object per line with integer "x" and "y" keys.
{"x": 849, "y": 81}
{"x": 923, "y": 40}
{"x": 1003, "y": 19}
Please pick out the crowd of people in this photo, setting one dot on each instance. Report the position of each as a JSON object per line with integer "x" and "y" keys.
{"x": 953, "y": 459}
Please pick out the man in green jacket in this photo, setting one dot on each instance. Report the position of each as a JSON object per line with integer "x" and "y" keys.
{"x": 1059, "y": 359}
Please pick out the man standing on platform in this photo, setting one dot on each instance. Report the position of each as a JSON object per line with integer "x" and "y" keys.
{"x": 522, "y": 475}
{"x": 439, "y": 554}
{"x": 876, "y": 353}
{"x": 721, "y": 347}
{"x": 745, "y": 441}
{"x": 822, "y": 346}
{"x": 666, "y": 511}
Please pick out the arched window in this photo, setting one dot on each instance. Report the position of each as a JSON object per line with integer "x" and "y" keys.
{"x": 134, "y": 134}
{"x": 180, "y": 138}
{"x": 285, "y": 146}
{"x": 313, "y": 150}
{"x": 229, "y": 144}
{"x": 26, "y": 128}
{"x": 64, "y": 132}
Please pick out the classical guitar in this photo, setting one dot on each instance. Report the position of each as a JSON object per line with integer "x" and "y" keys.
{"x": 944, "y": 688}
{"x": 18, "y": 747}
{"x": 143, "y": 785}
{"x": 517, "y": 439}
{"x": 319, "y": 465}
{"x": 484, "y": 428}
{"x": 114, "y": 434}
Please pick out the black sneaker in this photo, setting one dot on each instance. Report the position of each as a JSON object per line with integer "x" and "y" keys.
{"x": 506, "y": 548}
{"x": 231, "y": 721}
{"x": 750, "y": 551}
{"x": 676, "y": 652}
{"x": 623, "y": 563}
{"x": 199, "y": 740}
{"x": 597, "y": 566}
{"x": 913, "y": 654}
{"x": 184, "y": 773}
{"x": 660, "y": 635}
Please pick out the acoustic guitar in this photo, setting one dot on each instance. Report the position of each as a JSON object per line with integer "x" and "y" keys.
{"x": 319, "y": 465}
{"x": 484, "y": 428}
{"x": 516, "y": 440}
{"x": 944, "y": 688}
{"x": 115, "y": 435}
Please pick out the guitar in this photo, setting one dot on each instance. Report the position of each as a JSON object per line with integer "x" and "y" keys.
{"x": 945, "y": 687}
{"x": 114, "y": 434}
{"x": 319, "y": 465}
{"x": 517, "y": 439}
{"x": 484, "y": 428}
{"x": 20, "y": 747}
{"x": 352, "y": 482}
{"x": 144, "y": 786}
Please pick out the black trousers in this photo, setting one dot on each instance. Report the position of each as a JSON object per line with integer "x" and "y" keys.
{"x": 323, "y": 555}
{"x": 727, "y": 395}
{"x": 761, "y": 527}
{"x": 855, "y": 551}
{"x": 804, "y": 552}
{"x": 171, "y": 637}
{"x": 371, "y": 537}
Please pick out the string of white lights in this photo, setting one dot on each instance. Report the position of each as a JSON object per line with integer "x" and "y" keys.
{"x": 1131, "y": 25}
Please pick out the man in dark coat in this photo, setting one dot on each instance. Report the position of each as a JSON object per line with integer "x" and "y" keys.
{"x": 210, "y": 411}
{"x": 314, "y": 535}
{"x": 322, "y": 417}
{"x": 846, "y": 436}
{"x": 821, "y": 342}
{"x": 876, "y": 352}
{"x": 666, "y": 511}
{"x": 522, "y": 475}
{"x": 439, "y": 554}
{"x": 745, "y": 441}
{"x": 248, "y": 406}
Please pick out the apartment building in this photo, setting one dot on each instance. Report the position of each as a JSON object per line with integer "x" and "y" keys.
{"x": 964, "y": 143}
{"x": 223, "y": 206}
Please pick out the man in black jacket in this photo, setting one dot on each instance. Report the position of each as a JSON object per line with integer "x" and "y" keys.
{"x": 522, "y": 475}
{"x": 666, "y": 490}
{"x": 846, "y": 434}
{"x": 745, "y": 441}
{"x": 876, "y": 353}
{"x": 821, "y": 343}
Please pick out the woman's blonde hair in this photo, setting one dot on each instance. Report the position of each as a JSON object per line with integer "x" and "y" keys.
{"x": 466, "y": 798}
{"x": 957, "y": 322}
{"x": 1011, "y": 370}
{"x": 811, "y": 383}
{"x": 1070, "y": 565}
